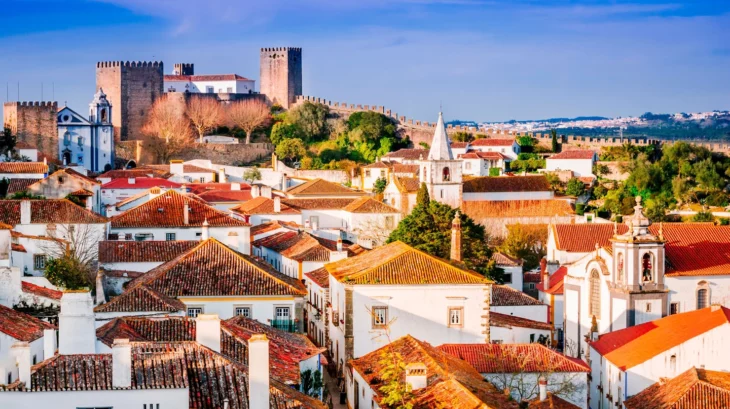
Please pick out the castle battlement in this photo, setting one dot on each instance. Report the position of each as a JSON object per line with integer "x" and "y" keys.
{"x": 50, "y": 104}
{"x": 133, "y": 64}
{"x": 297, "y": 49}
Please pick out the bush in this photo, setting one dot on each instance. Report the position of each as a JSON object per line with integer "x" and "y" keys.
{"x": 704, "y": 216}
{"x": 723, "y": 221}
{"x": 494, "y": 171}
{"x": 580, "y": 209}
{"x": 574, "y": 187}
{"x": 67, "y": 273}
{"x": 719, "y": 199}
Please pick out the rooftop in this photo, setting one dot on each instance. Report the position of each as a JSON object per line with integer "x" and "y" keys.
{"x": 555, "y": 284}
{"x": 39, "y": 291}
{"x": 504, "y": 260}
{"x": 23, "y": 167}
{"x": 695, "y": 388}
{"x": 407, "y": 185}
{"x": 509, "y": 321}
{"x": 408, "y": 154}
{"x": 20, "y": 184}
{"x": 186, "y": 168}
{"x": 20, "y": 326}
{"x": 111, "y": 251}
{"x": 505, "y": 296}
{"x": 318, "y": 187}
{"x": 492, "y": 142}
{"x": 226, "y": 196}
{"x": 483, "y": 155}
{"x": 210, "y": 77}
{"x": 134, "y": 173}
{"x": 48, "y": 211}
{"x": 574, "y": 154}
{"x": 140, "y": 183}
{"x": 495, "y": 184}
{"x": 320, "y": 276}
{"x": 483, "y": 209}
{"x": 263, "y": 205}
{"x": 514, "y": 358}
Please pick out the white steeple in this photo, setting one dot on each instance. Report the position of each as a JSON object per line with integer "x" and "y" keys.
{"x": 440, "y": 146}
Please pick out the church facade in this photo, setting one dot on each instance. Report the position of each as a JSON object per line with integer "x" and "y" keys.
{"x": 87, "y": 142}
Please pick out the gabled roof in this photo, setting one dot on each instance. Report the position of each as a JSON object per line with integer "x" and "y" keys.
{"x": 393, "y": 264}
{"x": 694, "y": 388}
{"x": 492, "y": 142}
{"x": 367, "y": 204}
{"x": 509, "y": 321}
{"x": 302, "y": 246}
{"x": 440, "y": 146}
{"x": 111, "y": 251}
{"x": 502, "y": 259}
{"x": 19, "y": 185}
{"x": 452, "y": 383}
{"x": 407, "y": 185}
{"x": 225, "y": 196}
{"x": 48, "y": 211}
{"x": 495, "y": 184}
{"x": 514, "y": 358}
{"x": 207, "y": 77}
{"x": 318, "y": 203}
{"x": 483, "y": 209}
{"x": 38, "y": 291}
{"x": 320, "y": 276}
{"x": 263, "y": 205}
{"x": 401, "y": 168}
{"x": 377, "y": 165}
{"x": 555, "y": 283}
{"x": 199, "y": 188}
{"x": 135, "y": 173}
{"x": 459, "y": 145}
{"x": 408, "y": 154}
{"x": 76, "y": 120}
{"x": 506, "y": 296}
{"x": 632, "y": 346}
{"x": 141, "y": 298}
{"x": 483, "y": 155}
{"x": 140, "y": 183}
{"x": 318, "y": 187}
{"x": 167, "y": 210}
{"x": 575, "y": 154}
{"x": 21, "y": 326}
{"x": 265, "y": 227}
{"x": 23, "y": 167}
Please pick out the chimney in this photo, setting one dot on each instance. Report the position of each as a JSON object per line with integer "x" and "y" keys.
{"x": 284, "y": 183}
{"x": 76, "y": 324}
{"x": 552, "y": 266}
{"x": 456, "y": 238}
{"x": 49, "y": 343}
{"x": 235, "y": 186}
{"x": 416, "y": 376}
{"x": 186, "y": 213}
{"x": 131, "y": 181}
{"x": 208, "y": 331}
{"x": 121, "y": 363}
{"x": 89, "y": 203}
{"x": 255, "y": 191}
{"x": 176, "y": 167}
{"x": 10, "y": 286}
{"x": 258, "y": 372}
{"x": 25, "y": 212}
{"x": 100, "y": 298}
{"x": 206, "y": 234}
{"x": 221, "y": 176}
{"x": 339, "y": 244}
{"x": 542, "y": 382}
{"x": 277, "y": 204}
{"x": 21, "y": 352}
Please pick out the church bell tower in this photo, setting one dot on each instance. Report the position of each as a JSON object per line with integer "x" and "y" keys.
{"x": 440, "y": 172}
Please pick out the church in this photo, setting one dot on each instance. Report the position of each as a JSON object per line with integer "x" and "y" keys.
{"x": 88, "y": 143}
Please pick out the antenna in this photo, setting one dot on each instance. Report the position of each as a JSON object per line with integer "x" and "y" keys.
{"x": 18, "y": 90}
{"x": 53, "y": 91}
{"x": 41, "y": 91}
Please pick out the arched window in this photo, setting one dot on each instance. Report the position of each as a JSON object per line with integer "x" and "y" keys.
{"x": 446, "y": 174}
{"x": 647, "y": 268}
{"x": 103, "y": 115}
{"x": 703, "y": 295}
{"x": 620, "y": 268}
{"x": 595, "y": 294}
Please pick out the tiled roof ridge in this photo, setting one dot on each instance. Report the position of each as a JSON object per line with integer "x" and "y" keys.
{"x": 170, "y": 302}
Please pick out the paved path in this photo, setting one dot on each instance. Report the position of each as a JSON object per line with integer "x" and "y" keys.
{"x": 334, "y": 392}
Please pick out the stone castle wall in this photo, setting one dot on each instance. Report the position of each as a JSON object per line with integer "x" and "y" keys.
{"x": 131, "y": 87}
{"x": 218, "y": 153}
{"x": 35, "y": 123}
{"x": 281, "y": 75}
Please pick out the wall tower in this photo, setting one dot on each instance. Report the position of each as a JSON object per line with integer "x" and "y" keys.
{"x": 281, "y": 75}
{"x": 131, "y": 88}
{"x": 34, "y": 123}
{"x": 183, "y": 69}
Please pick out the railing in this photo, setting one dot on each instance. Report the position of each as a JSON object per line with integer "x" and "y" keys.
{"x": 285, "y": 325}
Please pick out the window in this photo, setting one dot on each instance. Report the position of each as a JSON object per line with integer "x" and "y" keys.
{"x": 229, "y": 90}
{"x": 620, "y": 268}
{"x": 648, "y": 307}
{"x": 194, "y": 311}
{"x": 673, "y": 363}
{"x": 367, "y": 173}
{"x": 314, "y": 221}
{"x": 282, "y": 313}
{"x": 442, "y": 193}
{"x": 446, "y": 173}
{"x": 467, "y": 165}
{"x": 532, "y": 338}
{"x": 170, "y": 236}
{"x": 595, "y": 294}
{"x": 382, "y": 173}
{"x": 646, "y": 268}
{"x": 507, "y": 278}
{"x": 209, "y": 90}
{"x": 702, "y": 298}
{"x": 128, "y": 236}
{"x": 39, "y": 261}
{"x": 380, "y": 317}
{"x": 81, "y": 141}
{"x": 143, "y": 236}
{"x": 674, "y": 308}
{"x": 103, "y": 115}
{"x": 497, "y": 341}
{"x": 531, "y": 286}
{"x": 35, "y": 359}
{"x": 245, "y": 311}
{"x": 10, "y": 378}
{"x": 456, "y": 317}
{"x": 389, "y": 222}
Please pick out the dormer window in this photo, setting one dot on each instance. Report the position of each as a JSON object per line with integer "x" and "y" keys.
{"x": 647, "y": 266}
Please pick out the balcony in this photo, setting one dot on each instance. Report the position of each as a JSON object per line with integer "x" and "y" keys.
{"x": 285, "y": 325}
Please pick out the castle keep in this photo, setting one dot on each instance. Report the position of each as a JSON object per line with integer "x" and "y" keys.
{"x": 281, "y": 75}
{"x": 34, "y": 123}
{"x": 131, "y": 88}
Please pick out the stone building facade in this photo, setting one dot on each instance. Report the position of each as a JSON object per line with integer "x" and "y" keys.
{"x": 34, "y": 123}
{"x": 281, "y": 75}
{"x": 131, "y": 88}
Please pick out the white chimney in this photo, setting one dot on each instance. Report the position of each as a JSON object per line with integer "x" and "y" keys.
{"x": 277, "y": 204}
{"x": 49, "y": 343}
{"x": 542, "y": 383}
{"x": 284, "y": 183}
{"x": 21, "y": 352}
{"x": 100, "y": 299}
{"x": 208, "y": 331}
{"x": 121, "y": 363}
{"x": 76, "y": 324}
{"x": 176, "y": 167}
{"x": 205, "y": 235}
{"x": 258, "y": 372}
{"x": 416, "y": 375}
{"x": 339, "y": 244}
{"x": 221, "y": 176}
{"x": 131, "y": 181}
{"x": 10, "y": 286}
{"x": 89, "y": 203}
{"x": 186, "y": 213}
{"x": 25, "y": 212}
{"x": 235, "y": 186}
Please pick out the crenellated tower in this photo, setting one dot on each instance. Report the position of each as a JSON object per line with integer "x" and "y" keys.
{"x": 281, "y": 75}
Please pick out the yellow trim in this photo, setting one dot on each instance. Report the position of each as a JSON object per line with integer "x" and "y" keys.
{"x": 232, "y": 299}
{"x": 300, "y": 270}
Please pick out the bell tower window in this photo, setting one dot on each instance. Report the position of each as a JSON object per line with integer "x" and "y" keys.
{"x": 620, "y": 268}
{"x": 103, "y": 115}
{"x": 595, "y": 284}
{"x": 446, "y": 174}
{"x": 647, "y": 265}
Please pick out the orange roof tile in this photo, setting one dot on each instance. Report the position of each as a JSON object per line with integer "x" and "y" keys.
{"x": 318, "y": 187}
{"x": 695, "y": 388}
{"x": 48, "y": 211}
{"x": 317, "y": 204}
{"x": 141, "y": 299}
{"x": 207, "y": 77}
{"x": 393, "y": 264}
{"x": 480, "y": 210}
{"x": 225, "y": 196}
{"x": 134, "y": 173}
{"x": 21, "y": 326}
{"x": 407, "y": 185}
{"x": 551, "y": 402}
{"x": 377, "y": 165}
{"x": 513, "y": 358}
{"x": 19, "y": 185}
{"x": 186, "y": 168}
{"x": 508, "y": 321}
{"x": 492, "y": 184}
{"x": 502, "y": 259}
{"x": 504, "y": 296}
{"x": 483, "y": 155}
{"x": 367, "y": 204}
{"x": 409, "y": 154}
{"x": 111, "y": 251}
{"x": 263, "y": 205}
{"x": 199, "y": 188}
{"x": 320, "y": 276}
{"x": 575, "y": 154}
{"x": 265, "y": 227}
{"x": 400, "y": 168}
{"x": 555, "y": 284}
{"x": 39, "y": 291}
{"x": 23, "y": 167}
{"x": 140, "y": 183}
{"x": 631, "y": 346}
{"x": 493, "y": 142}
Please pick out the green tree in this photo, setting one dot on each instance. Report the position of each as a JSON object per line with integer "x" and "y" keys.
{"x": 703, "y": 216}
{"x": 311, "y": 382}
{"x": 422, "y": 196}
{"x": 67, "y": 272}
{"x": 252, "y": 174}
{"x": 526, "y": 142}
{"x": 291, "y": 149}
{"x": 525, "y": 242}
{"x": 461, "y": 136}
{"x": 7, "y": 142}
{"x": 395, "y": 393}
{"x": 311, "y": 119}
{"x": 574, "y": 187}
{"x": 282, "y": 131}
{"x": 379, "y": 185}
{"x": 554, "y": 141}
{"x": 373, "y": 125}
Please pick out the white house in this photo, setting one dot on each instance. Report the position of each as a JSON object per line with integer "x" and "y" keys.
{"x": 143, "y": 172}
{"x": 369, "y": 174}
{"x": 401, "y": 193}
{"x": 406, "y": 156}
{"x": 512, "y": 268}
{"x": 507, "y": 188}
{"x": 477, "y": 163}
{"x": 550, "y": 292}
{"x": 508, "y": 301}
{"x": 68, "y": 182}
{"x": 628, "y": 361}
{"x": 15, "y": 326}
{"x": 87, "y": 142}
{"x": 118, "y": 190}
{"x": 209, "y": 84}
{"x": 580, "y": 162}
{"x": 513, "y": 329}
{"x": 184, "y": 173}
{"x": 222, "y": 196}
{"x": 507, "y": 147}
{"x": 316, "y": 308}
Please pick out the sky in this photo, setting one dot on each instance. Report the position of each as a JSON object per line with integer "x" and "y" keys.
{"x": 483, "y": 60}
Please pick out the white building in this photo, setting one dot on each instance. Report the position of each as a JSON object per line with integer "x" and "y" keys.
{"x": 550, "y": 292}
{"x": 512, "y": 268}
{"x": 513, "y": 329}
{"x": 317, "y": 310}
{"x": 401, "y": 193}
{"x": 507, "y": 147}
{"x": 440, "y": 171}
{"x": 209, "y": 84}
{"x": 580, "y": 162}
{"x": 477, "y": 163}
{"x": 507, "y": 188}
{"x": 68, "y": 182}
{"x": 118, "y": 190}
{"x": 23, "y": 170}
{"x": 692, "y": 389}
{"x": 15, "y": 326}
{"x": 87, "y": 142}
{"x": 184, "y": 173}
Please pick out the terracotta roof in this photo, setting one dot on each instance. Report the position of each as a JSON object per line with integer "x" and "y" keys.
{"x": 377, "y": 165}
{"x": 81, "y": 193}
{"x": 225, "y": 196}
{"x": 401, "y": 168}
{"x": 367, "y": 204}
{"x": 48, "y": 211}
{"x": 493, "y": 184}
{"x": 407, "y": 185}
{"x": 551, "y": 402}
{"x": 393, "y": 264}
{"x": 141, "y": 298}
{"x": 492, "y": 142}
{"x": 265, "y": 227}
{"x": 483, "y": 155}
{"x": 320, "y": 277}
{"x": 167, "y": 210}
{"x": 318, "y": 187}
{"x": 555, "y": 283}
{"x": 122, "y": 273}
{"x": 479, "y": 210}
{"x": 263, "y": 205}
{"x": 695, "y": 388}
{"x": 137, "y": 172}
{"x": 140, "y": 183}
{"x": 502, "y": 259}
{"x": 317, "y": 204}
{"x": 459, "y": 145}
{"x": 514, "y": 358}
{"x": 199, "y": 188}
{"x": 19, "y": 185}
{"x": 531, "y": 277}
{"x": 692, "y": 249}
{"x": 408, "y": 154}
{"x": 508, "y": 321}
{"x": 186, "y": 168}
{"x": 208, "y": 77}
{"x": 574, "y": 154}
{"x": 18, "y": 248}
{"x": 39, "y": 291}
{"x": 505, "y": 296}
{"x": 23, "y": 167}
{"x": 631, "y": 346}
{"x": 111, "y": 251}
{"x": 303, "y": 246}
{"x": 20, "y": 326}
{"x": 452, "y": 383}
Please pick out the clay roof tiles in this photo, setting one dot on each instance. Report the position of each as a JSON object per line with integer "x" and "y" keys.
{"x": 556, "y": 281}
{"x": 575, "y": 154}
{"x": 408, "y": 154}
{"x": 513, "y": 358}
{"x": 321, "y": 187}
{"x": 399, "y": 263}
{"x": 140, "y": 183}
{"x": 167, "y": 210}
{"x": 225, "y": 196}
{"x": 492, "y": 142}
{"x": 368, "y": 205}
{"x": 502, "y": 259}
{"x": 23, "y": 167}
{"x": 694, "y": 388}
{"x": 504, "y": 296}
{"x": 483, "y": 155}
{"x": 508, "y": 321}
{"x": 186, "y": 168}
{"x": 141, "y": 299}
{"x": 135, "y": 173}
{"x": 320, "y": 276}
{"x": 111, "y": 251}
{"x": 40, "y": 291}
{"x": 401, "y": 168}
{"x": 492, "y": 184}
{"x": 21, "y": 326}
{"x": 263, "y": 205}
{"x": 48, "y": 211}
{"x": 407, "y": 185}
{"x": 265, "y": 227}
{"x": 206, "y": 77}
{"x": 19, "y": 185}
{"x": 479, "y": 210}
{"x": 317, "y": 204}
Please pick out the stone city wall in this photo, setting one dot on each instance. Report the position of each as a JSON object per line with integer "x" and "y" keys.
{"x": 35, "y": 123}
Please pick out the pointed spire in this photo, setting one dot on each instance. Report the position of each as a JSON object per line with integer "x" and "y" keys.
{"x": 440, "y": 146}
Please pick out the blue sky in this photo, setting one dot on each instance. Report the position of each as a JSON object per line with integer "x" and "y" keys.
{"x": 482, "y": 60}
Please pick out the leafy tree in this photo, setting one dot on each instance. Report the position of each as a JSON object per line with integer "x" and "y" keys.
{"x": 600, "y": 169}
{"x": 494, "y": 171}
{"x": 312, "y": 383}
{"x": 311, "y": 119}
{"x": 67, "y": 272}
{"x": 291, "y": 149}
{"x": 461, "y": 136}
{"x": 703, "y": 216}
{"x": 373, "y": 125}
{"x": 574, "y": 187}
{"x": 379, "y": 185}
{"x": 422, "y": 196}
{"x": 656, "y": 209}
{"x": 525, "y": 242}
{"x": 707, "y": 176}
{"x": 252, "y": 174}
{"x": 526, "y": 143}
{"x": 7, "y": 142}
{"x": 281, "y": 131}
{"x": 554, "y": 141}
{"x": 395, "y": 393}
{"x": 24, "y": 194}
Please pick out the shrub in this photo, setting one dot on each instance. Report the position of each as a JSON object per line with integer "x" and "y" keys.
{"x": 494, "y": 171}
{"x": 703, "y": 216}
{"x": 574, "y": 187}
{"x": 580, "y": 209}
